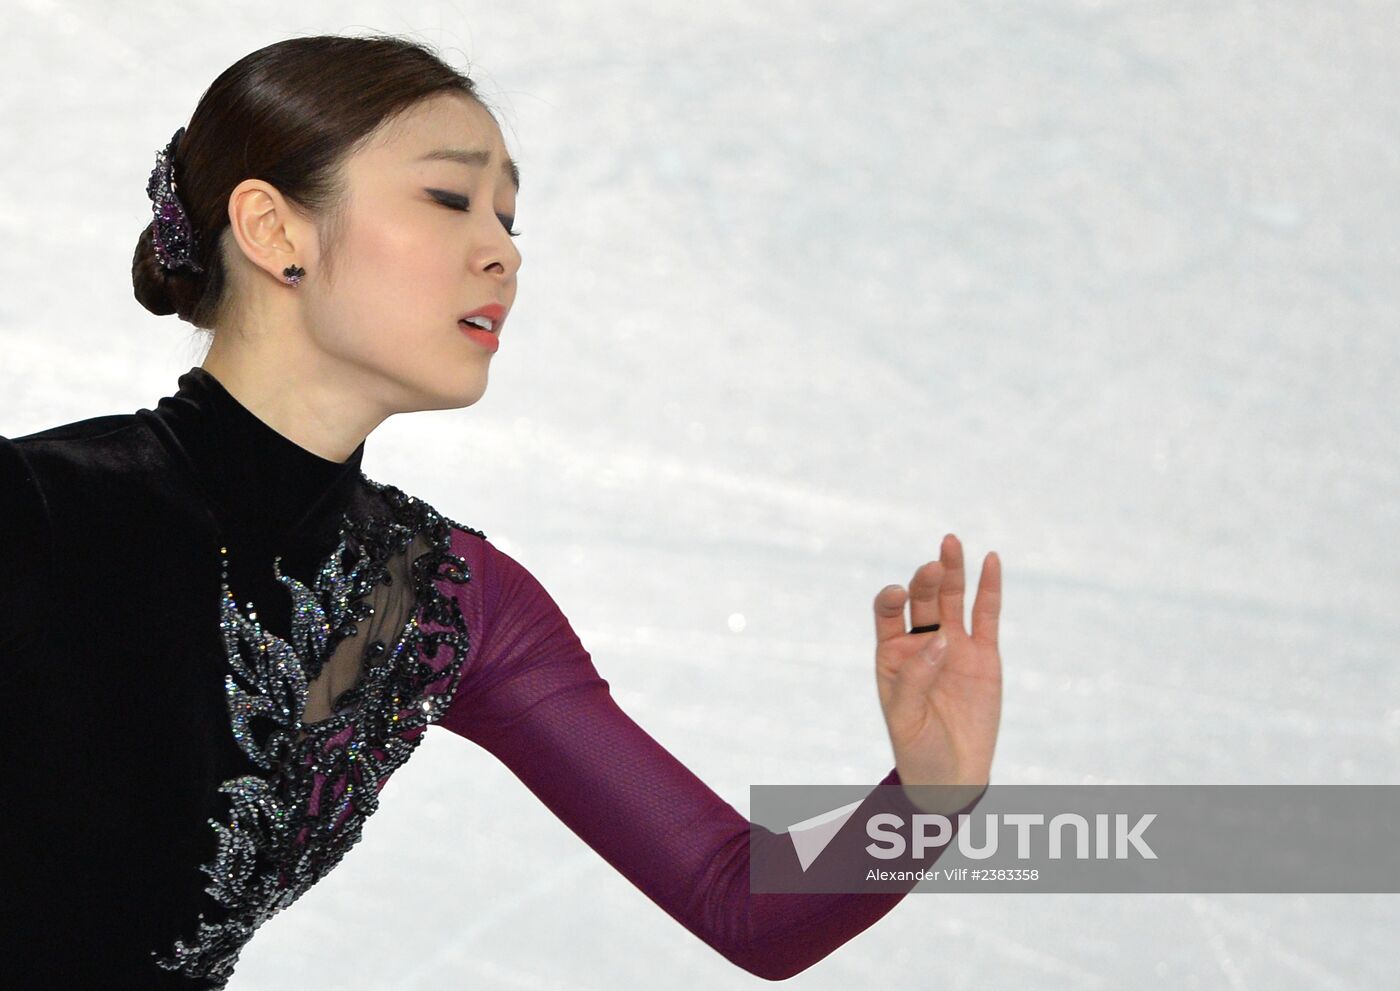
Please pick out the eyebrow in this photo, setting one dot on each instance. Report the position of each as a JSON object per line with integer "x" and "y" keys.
{"x": 475, "y": 157}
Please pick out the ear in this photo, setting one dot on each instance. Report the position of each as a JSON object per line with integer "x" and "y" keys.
{"x": 269, "y": 232}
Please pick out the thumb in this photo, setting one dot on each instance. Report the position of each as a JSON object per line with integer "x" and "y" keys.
{"x": 915, "y": 679}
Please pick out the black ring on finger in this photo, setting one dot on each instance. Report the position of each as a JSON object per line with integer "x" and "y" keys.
{"x": 931, "y": 628}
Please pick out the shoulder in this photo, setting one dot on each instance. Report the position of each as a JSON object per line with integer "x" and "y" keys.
{"x": 78, "y": 430}
{"x": 95, "y": 444}
{"x": 48, "y": 479}
{"x": 503, "y": 593}
{"x": 110, "y": 471}
{"x": 488, "y": 565}
{"x": 26, "y": 546}
{"x": 21, "y": 499}
{"x": 455, "y": 551}
{"x": 491, "y": 588}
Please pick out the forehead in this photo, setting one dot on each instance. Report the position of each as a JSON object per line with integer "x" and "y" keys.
{"x": 444, "y": 121}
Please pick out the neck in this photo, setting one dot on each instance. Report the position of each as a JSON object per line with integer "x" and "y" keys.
{"x": 306, "y": 397}
{"x": 258, "y": 483}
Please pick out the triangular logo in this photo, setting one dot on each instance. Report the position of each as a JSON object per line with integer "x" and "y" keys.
{"x": 811, "y": 836}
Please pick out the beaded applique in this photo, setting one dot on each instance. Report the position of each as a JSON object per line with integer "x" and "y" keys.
{"x": 318, "y": 782}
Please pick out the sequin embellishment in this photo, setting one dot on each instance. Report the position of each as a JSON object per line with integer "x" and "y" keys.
{"x": 317, "y": 783}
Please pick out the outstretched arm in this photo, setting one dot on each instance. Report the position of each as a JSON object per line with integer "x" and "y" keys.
{"x": 533, "y": 698}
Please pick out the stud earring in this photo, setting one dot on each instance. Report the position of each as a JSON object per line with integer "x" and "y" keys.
{"x": 293, "y": 274}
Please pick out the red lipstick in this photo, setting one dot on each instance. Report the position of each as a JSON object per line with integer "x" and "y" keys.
{"x": 489, "y": 339}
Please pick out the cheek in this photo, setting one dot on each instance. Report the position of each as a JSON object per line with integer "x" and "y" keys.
{"x": 396, "y": 295}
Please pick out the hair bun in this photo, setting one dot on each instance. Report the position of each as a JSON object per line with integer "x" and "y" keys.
{"x": 152, "y": 282}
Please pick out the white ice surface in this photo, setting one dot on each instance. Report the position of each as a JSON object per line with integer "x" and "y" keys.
{"x": 1109, "y": 287}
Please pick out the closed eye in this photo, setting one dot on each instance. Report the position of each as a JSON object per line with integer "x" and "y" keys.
{"x": 454, "y": 202}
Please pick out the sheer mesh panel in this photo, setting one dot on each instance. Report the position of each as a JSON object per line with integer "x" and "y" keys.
{"x": 339, "y": 682}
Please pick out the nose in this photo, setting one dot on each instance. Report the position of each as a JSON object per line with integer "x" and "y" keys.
{"x": 503, "y": 259}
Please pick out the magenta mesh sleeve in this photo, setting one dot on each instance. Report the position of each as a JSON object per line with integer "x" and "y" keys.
{"x": 533, "y": 698}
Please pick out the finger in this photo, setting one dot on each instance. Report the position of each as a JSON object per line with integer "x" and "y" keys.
{"x": 954, "y": 582}
{"x": 923, "y": 594}
{"x": 889, "y": 613}
{"x": 986, "y": 610}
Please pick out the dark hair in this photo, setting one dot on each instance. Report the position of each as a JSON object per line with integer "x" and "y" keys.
{"x": 290, "y": 114}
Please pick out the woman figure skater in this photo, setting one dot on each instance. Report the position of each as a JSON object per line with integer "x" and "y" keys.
{"x": 219, "y": 638}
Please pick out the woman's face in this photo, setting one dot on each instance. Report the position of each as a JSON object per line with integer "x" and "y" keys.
{"x": 425, "y": 241}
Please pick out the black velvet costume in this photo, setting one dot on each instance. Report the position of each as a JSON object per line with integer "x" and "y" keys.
{"x": 215, "y": 648}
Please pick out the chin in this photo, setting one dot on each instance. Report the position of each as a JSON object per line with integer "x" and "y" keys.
{"x": 463, "y": 387}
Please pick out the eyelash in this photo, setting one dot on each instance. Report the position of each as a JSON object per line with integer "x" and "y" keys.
{"x": 454, "y": 202}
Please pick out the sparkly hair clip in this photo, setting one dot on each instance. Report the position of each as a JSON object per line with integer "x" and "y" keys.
{"x": 172, "y": 233}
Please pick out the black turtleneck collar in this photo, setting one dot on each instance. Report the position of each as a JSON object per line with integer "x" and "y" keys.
{"x": 257, "y": 481}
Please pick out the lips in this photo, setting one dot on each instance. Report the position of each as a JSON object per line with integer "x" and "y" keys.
{"x": 494, "y": 312}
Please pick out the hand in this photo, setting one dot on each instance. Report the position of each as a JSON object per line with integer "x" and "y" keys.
{"x": 942, "y": 704}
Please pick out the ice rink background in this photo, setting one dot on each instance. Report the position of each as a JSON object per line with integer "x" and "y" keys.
{"x": 1107, "y": 287}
